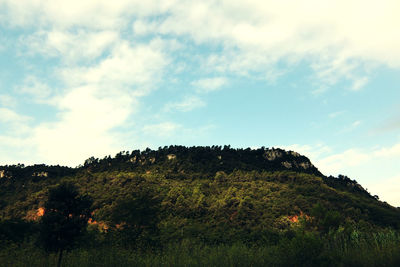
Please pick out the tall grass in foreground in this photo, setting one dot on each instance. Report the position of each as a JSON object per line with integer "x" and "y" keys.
{"x": 366, "y": 249}
{"x": 305, "y": 249}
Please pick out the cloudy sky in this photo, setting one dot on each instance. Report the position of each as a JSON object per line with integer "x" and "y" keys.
{"x": 85, "y": 78}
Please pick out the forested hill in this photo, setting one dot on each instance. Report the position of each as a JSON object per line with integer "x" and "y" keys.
{"x": 177, "y": 161}
{"x": 212, "y": 190}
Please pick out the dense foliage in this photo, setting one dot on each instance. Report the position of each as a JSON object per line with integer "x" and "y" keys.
{"x": 264, "y": 202}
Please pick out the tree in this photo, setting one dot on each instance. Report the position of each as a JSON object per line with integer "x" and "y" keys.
{"x": 326, "y": 219}
{"x": 136, "y": 217}
{"x": 65, "y": 219}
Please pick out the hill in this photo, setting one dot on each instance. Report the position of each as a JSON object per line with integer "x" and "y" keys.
{"x": 207, "y": 195}
{"x": 200, "y": 183}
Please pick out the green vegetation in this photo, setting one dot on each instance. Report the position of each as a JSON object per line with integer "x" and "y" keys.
{"x": 199, "y": 206}
{"x": 65, "y": 219}
{"x": 337, "y": 249}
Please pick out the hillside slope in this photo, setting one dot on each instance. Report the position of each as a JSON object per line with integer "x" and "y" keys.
{"x": 212, "y": 193}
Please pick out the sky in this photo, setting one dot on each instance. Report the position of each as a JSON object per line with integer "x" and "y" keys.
{"x": 84, "y": 78}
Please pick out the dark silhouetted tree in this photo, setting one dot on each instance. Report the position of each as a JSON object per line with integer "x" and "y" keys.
{"x": 65, "y": 219}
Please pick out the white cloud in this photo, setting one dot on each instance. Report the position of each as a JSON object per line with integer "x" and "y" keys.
{"x": 356, "y": 124}
{"x": 144, "y": 27}
{"x": 7, "y": 100}
{"x": 102, "y": 61}
{"x": 387, "y": 190}
{"x": 35, "y": 88}
{"x": 93, "y": 14}
{"x": 334, "y": 38}
{"x": 21, "y": 148}
{"x": 337, "y": 163}
{"x": 13, "y": 126}
{"x": 70, "y": 47}
{"x": 359, "y": 83}
{"x": 336, "y": 114}
{"x": 313, "y": 152}
{"x": 393, "y": 151}
{"x": 84, "y": 127}
{"x": 389, "y": 124}
{"x": 102, "y": 74}
{"x": 95, "y": 101}
{"x": 353, "y": 126}
{"x": 209, "y": 84}
{"x": 163, "y": 130}
{"x": 187, "y": 104}
{"x": 12, "y": 141}
{"x": 125, "y": 66}
{"x": 9, "y": 116}
{"x": 375, "y": 168}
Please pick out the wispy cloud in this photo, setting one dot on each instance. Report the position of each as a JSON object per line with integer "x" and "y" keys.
{"x": 106, "y": 55}
{"x": 374, "y": 168}
{"x": 339, "y": 162}
{"x": 314, "y": 152}
{"x": 7, "y": 100}
{"x": 351, "y": 127}
{"x": 336, "y": 114}
{"x": 187, "y": 104}
{"x": 35, "y": 89}
{"x": 388, "y": 190}
{"x": 334, "y": 163}
{"x": 99, "y": 99}
{"x": 92, "y": 100}
{"x": 256, "y": 35}
{"x": 359, "y": 83}
{"x": 70, "y": 47}
{"x": 92, "y": 14}
{"x": 10, "y": 116}
{"x": 259, "y": 34}
{"x": 163, "y": 130}
{"x": 15, "y": 127}
{"x": 389, "y": 124}
{"x": 209, "y": 84}
{"x": 125, "y": 66}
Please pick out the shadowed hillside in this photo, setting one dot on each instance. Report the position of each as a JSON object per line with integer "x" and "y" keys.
{"x": 286, "y": 177}
{"x": 207, "y": 195}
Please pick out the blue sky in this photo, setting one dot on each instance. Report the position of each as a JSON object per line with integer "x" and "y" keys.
{"x": 92, "y": 78}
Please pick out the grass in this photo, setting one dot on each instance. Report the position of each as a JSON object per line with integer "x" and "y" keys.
{"x": 305, "y": 249}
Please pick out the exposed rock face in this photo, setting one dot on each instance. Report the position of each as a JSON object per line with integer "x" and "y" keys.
{"x": 133, "y": 159}
{"x": 305, "y": 165}
{"x": 5, "y": 174}
{"x": 171, "y": 156}
{"x": 287, "y": 164}
{"x": 272, "y": 154}
{"x": 287, "y": 159}
{"x": 40, "y": 174}
{"x": 294, "y": 153}
{"x": 142, "y": 160}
